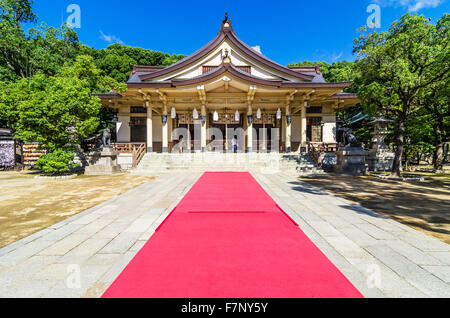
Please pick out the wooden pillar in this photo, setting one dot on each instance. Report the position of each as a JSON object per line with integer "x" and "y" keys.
{"x": 203, "y": 129}
{"x": 303, "y": 125}
{"x": 149, "y": 126}
{"x": 189, "y": 139}
{"x": 226, "y": 138}
{"x": 165, "y": 130}
{"x": 250, "y": 129}
{"x": 288, "y": 128}
{"x": 264, "y": 138}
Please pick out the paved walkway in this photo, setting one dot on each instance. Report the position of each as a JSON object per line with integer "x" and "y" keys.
{"x": 83, "y": 255}
{"x": 380, "y": 256}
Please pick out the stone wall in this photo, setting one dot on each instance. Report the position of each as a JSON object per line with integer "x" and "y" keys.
{"x": 7, "y": 154}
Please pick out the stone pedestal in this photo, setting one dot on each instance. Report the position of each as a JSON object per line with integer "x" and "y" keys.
{"x": 380, "y": 156}
{"x": 351, "y": 160}
{"x": 329, "y": 162}
{"x": 106, "y": 164}
{"x": 381, "y": 160}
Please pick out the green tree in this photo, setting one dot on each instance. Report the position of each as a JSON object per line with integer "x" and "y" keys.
{"x": 20, "y": 10}
{"x": 343, "y": 71}
{"x": 435, "y": 102}
{"x": 397, "y": 65}
{"x": 57, "y": 111}
{"x": 43, "y": 49}
{"x": 116, "y": 66}
{"x": 56, "y": 162}
{"x": 418, "y": 138}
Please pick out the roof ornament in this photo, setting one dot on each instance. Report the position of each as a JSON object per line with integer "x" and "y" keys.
{"x": 226, "y": 56}
{"x": 226, "y": 23}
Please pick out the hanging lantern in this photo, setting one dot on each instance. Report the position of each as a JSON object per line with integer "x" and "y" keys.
{"x": 216, "y": 116}
{"x": 195, "y": 114}
{"x": 173, "y": 113}
{"x": 259, "y": 113}
{"x": 237, "y": 116}
{"x": 279, "y": 114}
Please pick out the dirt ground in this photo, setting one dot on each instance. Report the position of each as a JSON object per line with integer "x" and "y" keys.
{"x": 424, "y": 206}
{"x": 28, "y": 205}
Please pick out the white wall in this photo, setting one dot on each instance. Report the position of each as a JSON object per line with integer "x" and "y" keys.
{"x": 123, "y": 129}
{"x": 157, "y": 128}
{"x": 296, "y": 133}
{"x": 329, "y": 129}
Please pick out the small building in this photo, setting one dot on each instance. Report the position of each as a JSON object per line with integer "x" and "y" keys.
{"x": 7, "y": 149}
{"x": 228, "y": 85}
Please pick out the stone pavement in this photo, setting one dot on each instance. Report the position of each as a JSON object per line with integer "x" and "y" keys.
{"x": 380, "y": 256}
{"x": 83, "y": 255}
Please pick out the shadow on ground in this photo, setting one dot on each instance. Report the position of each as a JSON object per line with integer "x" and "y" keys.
{"x": 422, "y": 205}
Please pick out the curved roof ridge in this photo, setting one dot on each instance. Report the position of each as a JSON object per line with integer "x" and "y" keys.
{"x": 187, "y": 60}
{"x": 264, "y": 59}
{"x": 226, "y": 32}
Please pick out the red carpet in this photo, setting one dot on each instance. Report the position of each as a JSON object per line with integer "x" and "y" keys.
{"x": 228, "y": 239}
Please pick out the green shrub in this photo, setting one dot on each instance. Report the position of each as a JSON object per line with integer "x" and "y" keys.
{"x": 56, "y": 162}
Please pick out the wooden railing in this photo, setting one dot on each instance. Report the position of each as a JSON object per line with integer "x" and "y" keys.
{"x": 138, "y": 154}
{"x": 318, "y": 149}
{"x": 137, "y": 149}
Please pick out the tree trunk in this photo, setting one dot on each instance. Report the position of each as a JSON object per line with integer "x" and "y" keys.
{"x": 439, "y": 153}
{"x": 399, "y": 139}
{"x": 406, "y": 160}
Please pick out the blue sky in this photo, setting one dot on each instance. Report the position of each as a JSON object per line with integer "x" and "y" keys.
{"x": 286, "y": 31}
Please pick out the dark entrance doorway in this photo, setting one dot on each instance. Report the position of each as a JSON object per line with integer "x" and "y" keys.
{"x": 263, "y": 136}
{"x": 138, "y": 129}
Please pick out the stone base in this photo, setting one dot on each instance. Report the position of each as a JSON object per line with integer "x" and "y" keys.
{"x": 99, "y": 170}
{"x": 329, "y": 162}
{"x": 352, "y": 160}
{"x": 106, "y": 164}
{"x": 380, "y": 160}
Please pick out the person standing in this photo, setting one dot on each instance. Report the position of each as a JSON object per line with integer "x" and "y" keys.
{"x": 181, "y": 144}
{"x": 235, "y": 144}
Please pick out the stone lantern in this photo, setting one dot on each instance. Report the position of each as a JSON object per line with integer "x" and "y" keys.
{"x": 380, "y": 156}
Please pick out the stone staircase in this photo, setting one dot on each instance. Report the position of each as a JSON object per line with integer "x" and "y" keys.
{"x": 153, "y": 163}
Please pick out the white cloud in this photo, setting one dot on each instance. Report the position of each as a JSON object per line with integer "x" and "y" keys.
{"x": 110, "y": 38}
{"x": 412, "y": 5}
{"x": 336, "y": 57}
{"x": 257, "y": 48}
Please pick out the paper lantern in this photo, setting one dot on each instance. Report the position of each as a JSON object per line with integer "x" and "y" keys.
{"x": 237, "y": 116}
{"x": 216, "y": 116}
{"x": 195, "y": 114}
{"x": 259, "y": 113}
{"x": 279, "y": 114}
{"x": 173, "y": 113}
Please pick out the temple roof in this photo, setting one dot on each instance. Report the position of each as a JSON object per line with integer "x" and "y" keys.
{"x": 227, "y": 45}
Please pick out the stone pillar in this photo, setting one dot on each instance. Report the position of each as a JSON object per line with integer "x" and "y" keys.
{"x": 165, "y": 130}
{"x": 203, "y": 129}
{"x": 303, "y": 125}
{"x": 189, "y": 139}
{"x": 288, "y": 128}
{"x": 149, "y": 127}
